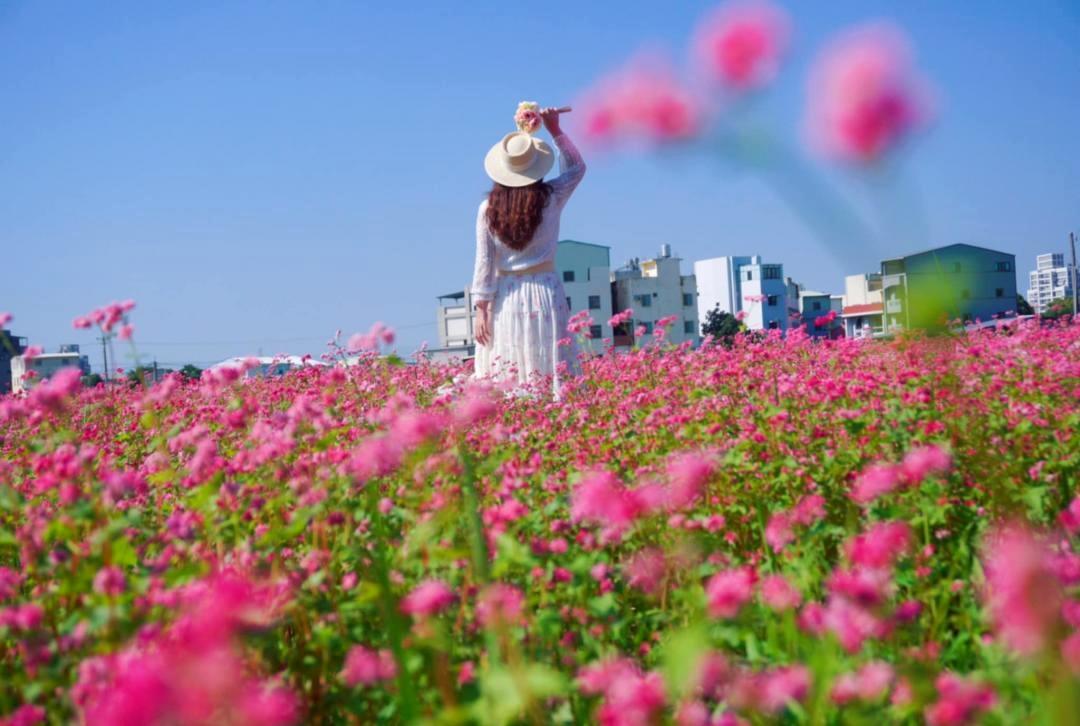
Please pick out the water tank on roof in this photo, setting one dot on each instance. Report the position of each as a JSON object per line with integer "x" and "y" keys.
{"x": 665, "y": 250}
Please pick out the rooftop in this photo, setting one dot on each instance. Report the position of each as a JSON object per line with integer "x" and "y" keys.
{"x": 946, "y": 247}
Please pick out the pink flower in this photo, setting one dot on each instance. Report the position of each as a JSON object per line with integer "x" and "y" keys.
{"x": 779, "y": 594}
{"x": 25, "y": 715}
{"x": 601, "y": 498}
{"x": 645, "y": 570}
{"x": 1070, "y": 652}
{"x": 5, "y": 318}
{"x": 1022, "y": 592}
{"x": 923, "y": 461}
{"x": 687, "y": 476}
{"x": 110, "y": 581}
{"x": 728, "y": 591}
{"x": 466, "y": 674}
{"x": 869, "y": 683}
{"x": 366, "y": 667}
{"x": 621, "y": 317}
{"x": 741, "y": 44}
{"x": 126, "y": 331}
{"x": 499, "y": 604}
{"x": 643, "y": 100}
{"x": 428, "y": 598}
{"x": 864, "y": 98}
{"x": 959, "y": 701}
{"x": 875, "y": 481}
{"x": 1070, "y": 518}
{"x": 779, "y": 532}
{"x": 880, "y": 545}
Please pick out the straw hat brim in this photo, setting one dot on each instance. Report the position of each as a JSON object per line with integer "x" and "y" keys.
{"x": 499, "y": 172}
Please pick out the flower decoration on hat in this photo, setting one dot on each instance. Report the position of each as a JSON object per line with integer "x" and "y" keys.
{"x": 527, "y": 117}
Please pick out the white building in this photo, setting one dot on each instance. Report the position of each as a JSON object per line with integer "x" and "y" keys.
{"x": 743, "y": 284}
{"x": 585, "y": 270}
{"x": 455, "y": 321}
{"x": 656, "y": 289}
{"x": 264, "y": 366}
{"x": 41, "y": 367}
{"x": 863, "y": 306}
{"x": 1050, "y": 280}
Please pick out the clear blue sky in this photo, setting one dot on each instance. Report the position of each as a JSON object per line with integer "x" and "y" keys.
{"x": 259, "y": 174}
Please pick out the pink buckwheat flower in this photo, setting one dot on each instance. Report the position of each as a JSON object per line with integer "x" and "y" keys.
{"x": 1023, "y": 594}
{"x": 923, "y": 461}
{"x": 428, "y": 598}
{"x": 864, "y": 98}
{"x": 876, "y": 480}
{"x": 779, "y": 594}
{"x": 726, "y": 592}
{"x": 741, "y": 44}
{"x": 366, "y": 667}
{"x": 110, "y": 581}
{"x": 869, "y": 683}
{"x": 499, "y": 604}
{"x": 959, "y": 701}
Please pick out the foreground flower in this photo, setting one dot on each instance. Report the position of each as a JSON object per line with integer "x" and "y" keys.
{"x": 726, "y": 592}
{"x": 428, "y": 598}
{"x": 1023, "y": 593}
{"x": 741, "y": 43}
{"x": 959, "y": 701}
{"x": 864, "y": 98}
{"x": 364, "y": 667}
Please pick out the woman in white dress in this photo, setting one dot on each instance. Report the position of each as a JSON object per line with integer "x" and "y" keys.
{"x": 521, "y": 308}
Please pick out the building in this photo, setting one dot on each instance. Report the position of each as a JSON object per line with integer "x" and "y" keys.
{"x": 955, "y": 282}
{"x": 862, "y": 307}
{"x": 585, "y": 269}
{"x": 814, "y": 309}
{"x": 25, "y": 373}
{"x": 746, "y": 285}
{"x": 10, "y": 347}
{"x": 1051, "y": 280}
{"x": 84, "y": 360}
{"x": 265, "y": 366}
{"x": 656, "y": 289}
{"x": 455, "y": 321}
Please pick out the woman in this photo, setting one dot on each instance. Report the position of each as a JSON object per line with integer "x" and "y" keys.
{"x": 521, "y": 309}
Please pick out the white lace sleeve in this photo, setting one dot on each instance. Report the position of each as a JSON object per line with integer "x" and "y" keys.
{"x": 483, "y": 284}
{"x": 571, "y": 169}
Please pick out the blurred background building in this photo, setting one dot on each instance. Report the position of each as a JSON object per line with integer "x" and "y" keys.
{"x": 1051, "y": 280}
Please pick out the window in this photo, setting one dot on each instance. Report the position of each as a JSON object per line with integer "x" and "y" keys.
{"x": 569, "y": 305}
{"x": 595, "y": 332}
{"x": 647, "y": 326}
{"x": 816, "y": 305}
{"x": 749, "y": 274}
{"x": 687, "y": 299}
{"x": 688, "y": 327}
{"x": 646, "y": 301}
{"x": 771, "y": 272}
{"x": 567, "y": 275}
{"x": 774, "y": 324}
{"x": 999, "y": 292}
{"x": 966, "y": 294}
{"x": 957, "y": 267}
{"x": 594, "y": 302}
{"x": 773, "y": 299}
{"x": 1003, "y": 267}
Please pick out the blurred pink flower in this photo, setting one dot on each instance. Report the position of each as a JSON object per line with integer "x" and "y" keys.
{"x": 880, "y": 545}
{"x": 366, "y": 667}
{"x": 1023, "y": 593}
{"x": 959, "y": 701}
{"x": 779, "y": 594}
{"x": 428, "y": 598}
{"x": 110, "y": 581}
{"x": 499, "y": 604}
{"x": 923, "y": 461}
{"x": 869, "y": 683}
{"x": 687, "y": 473}
{"x": 25, "y": 715}
{"x": 864, "y": 97}
{"x": 1070, "y": 652}
{"x": 5, "y": 318}
{"x": 645, "y": 570}
{"x": 1070, "y": 518}
{"x": 643, "y": 100}
{"x": 726, "y": 592}
{"x": 740, "y": 44}
{"x": 875, "y": 481}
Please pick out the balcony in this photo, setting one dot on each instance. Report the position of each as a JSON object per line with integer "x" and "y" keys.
{"x": 894, "y": 306}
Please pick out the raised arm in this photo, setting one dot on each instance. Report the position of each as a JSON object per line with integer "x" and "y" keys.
{"x": 571, "y": 166}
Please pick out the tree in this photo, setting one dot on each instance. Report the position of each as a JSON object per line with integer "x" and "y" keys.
{"x": 1023, "y": 307}
{"x": 92, "y": 380}
{"x": 1059, "y": 307}
{"x": 721, "y": 325}
{"x": 191, "y": 372}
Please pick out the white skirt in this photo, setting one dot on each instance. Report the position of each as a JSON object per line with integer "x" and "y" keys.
{"x": 529, "y": 341}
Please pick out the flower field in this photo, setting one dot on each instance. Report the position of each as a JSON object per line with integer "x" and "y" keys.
{"x": 776, "y": 531}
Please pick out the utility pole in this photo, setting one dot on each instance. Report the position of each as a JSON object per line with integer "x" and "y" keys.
{"x": 1072, "y": 244}
{"x": 104, "y": 356}
{"x": 155, "y": 371}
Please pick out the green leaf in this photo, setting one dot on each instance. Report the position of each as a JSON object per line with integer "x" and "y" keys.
{"x": 681, "y": 655}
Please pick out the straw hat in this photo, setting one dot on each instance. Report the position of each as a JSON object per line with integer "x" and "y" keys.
{"x": 518, "y": 160}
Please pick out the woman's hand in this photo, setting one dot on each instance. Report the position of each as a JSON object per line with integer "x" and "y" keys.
{"x": 550, "y": 117}
{"x": 482, "y": 326}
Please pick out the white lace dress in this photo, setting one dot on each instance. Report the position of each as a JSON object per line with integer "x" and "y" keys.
{"x": 530, "y": 344}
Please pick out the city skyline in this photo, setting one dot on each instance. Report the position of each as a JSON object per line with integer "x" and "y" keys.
{"x": 252, "y": 197}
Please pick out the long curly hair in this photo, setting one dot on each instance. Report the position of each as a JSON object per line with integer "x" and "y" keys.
{"x": 514, "y": 213}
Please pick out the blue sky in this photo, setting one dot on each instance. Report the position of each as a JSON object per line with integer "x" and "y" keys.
{"x": 259, "y": 174}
